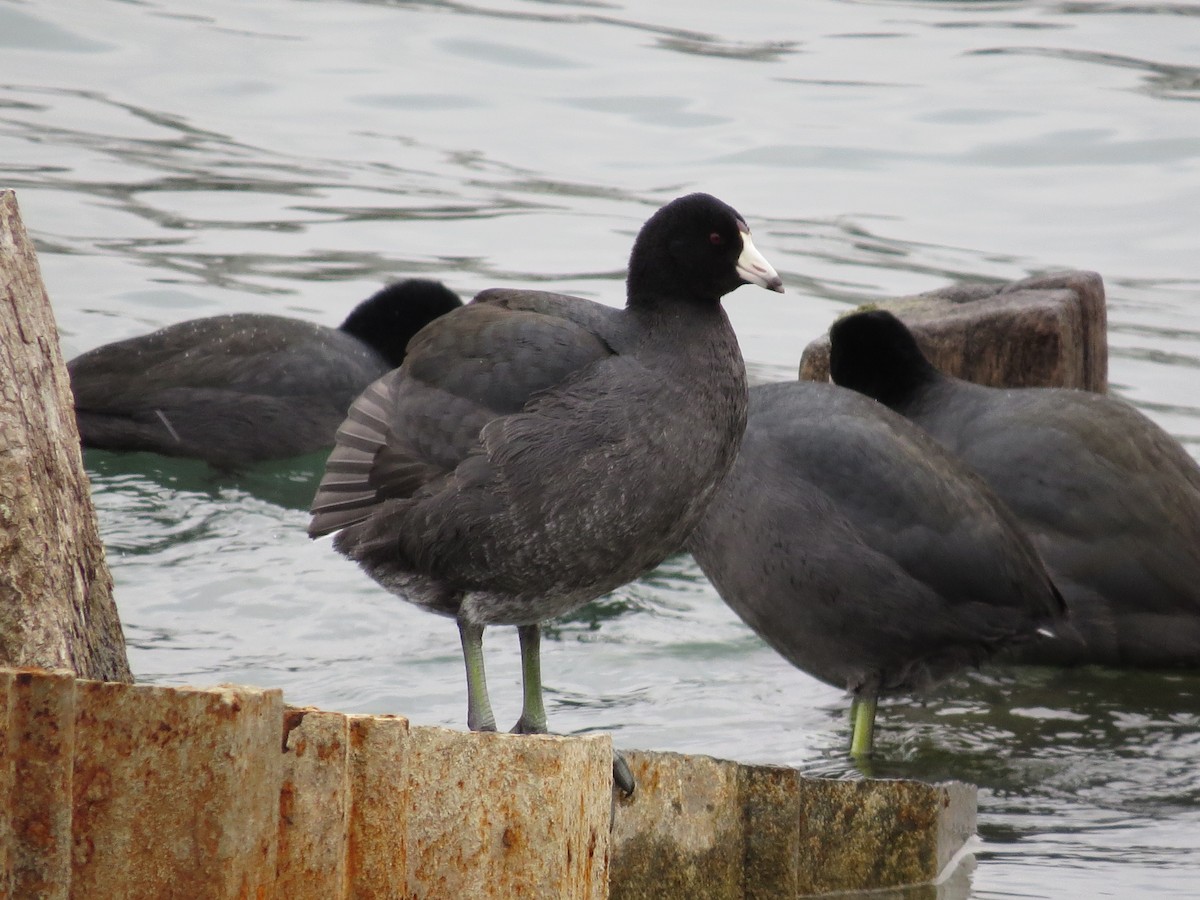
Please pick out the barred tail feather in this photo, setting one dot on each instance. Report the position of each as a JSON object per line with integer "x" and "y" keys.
{"x": 346, "y": 493}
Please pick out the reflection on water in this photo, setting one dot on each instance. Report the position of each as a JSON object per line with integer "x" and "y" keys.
{"x": 291, "y": 157}
{"x": 289, "y": 483}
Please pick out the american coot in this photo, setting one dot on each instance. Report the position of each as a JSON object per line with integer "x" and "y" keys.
{"x": 1110, "y": 500}
{"x": 536, "y": 451}
{"x": 243, "y": 388}
{"x": 863, "y": 552}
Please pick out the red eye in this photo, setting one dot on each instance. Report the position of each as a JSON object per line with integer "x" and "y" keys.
{"x": 716, "y": 239}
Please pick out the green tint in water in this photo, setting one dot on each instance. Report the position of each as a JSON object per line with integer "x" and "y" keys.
{"x": 290, "y": 157}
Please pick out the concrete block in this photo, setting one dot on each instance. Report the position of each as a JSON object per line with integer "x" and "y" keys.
{"x": 502, "y": 816}
{"x": 313, "y": 805}
{"x": 377, "y": 840}
{"x": 40, "y": 739}
{"x": 1046, "y": 331}
{"x": 680, "y": 834}
{"x": 176, "y": 791}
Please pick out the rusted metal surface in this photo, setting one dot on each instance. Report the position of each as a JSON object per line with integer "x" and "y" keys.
{"x": 116, "y": 790}
{"x": 377, "y": 841}
{"x": 864, "y": 835}
{"x": 706, "y": 828}
{"x": 176, "y": 791}
{"x": 39, "y": 729}
{"x": 313, "y": 805}
{"x": 1047, "y": 331}
{"x": 680, "y": 834}
{"x": 501, "y": 815}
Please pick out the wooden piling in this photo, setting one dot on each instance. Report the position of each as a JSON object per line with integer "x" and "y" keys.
{"x": 56, "y": 604}
{"x": 1046, "y": 331}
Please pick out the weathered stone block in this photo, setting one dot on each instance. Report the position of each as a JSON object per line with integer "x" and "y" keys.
{"x": 176, "y": 791}
{"x": 501, "y": 815}
{"x": 680, "y": 835}
{"x": 40, "y": 738}
{"x": 314, "y": 806}
{"x": 1046, "y": 331}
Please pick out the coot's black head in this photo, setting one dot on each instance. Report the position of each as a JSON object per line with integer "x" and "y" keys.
{"x": 389, "y": 318}
{"x": 696, "y": 247}
{"x": 875, "y": 354}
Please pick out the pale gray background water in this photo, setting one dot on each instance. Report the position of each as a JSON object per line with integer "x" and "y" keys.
{"x": 183, "y": 159}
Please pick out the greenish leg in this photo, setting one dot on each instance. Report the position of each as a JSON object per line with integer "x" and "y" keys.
{"x": 862, "y": 718}
{"x": 533, "y": 713}
{"x": 479, "y": 708}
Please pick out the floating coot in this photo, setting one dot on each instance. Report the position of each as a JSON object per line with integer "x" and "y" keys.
{"x": 1110, "y": 500}
{"x": 863, "y": 552}
{"x": 243, "y": 388}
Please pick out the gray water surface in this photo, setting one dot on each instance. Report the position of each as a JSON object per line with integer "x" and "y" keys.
{"x": 175, "y": 160}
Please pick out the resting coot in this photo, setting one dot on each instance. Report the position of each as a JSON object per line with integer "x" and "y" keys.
{"x": 243, "y": 388}
{"x": 536, "y": 451}
{"x": 1110, "y": 500}
{"x": 863, "y": 552}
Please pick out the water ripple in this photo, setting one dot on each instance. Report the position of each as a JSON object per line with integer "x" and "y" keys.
{"x": 668, "y": 38}
{"x": 1163, "y": 80}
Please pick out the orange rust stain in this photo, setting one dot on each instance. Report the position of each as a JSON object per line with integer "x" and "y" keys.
{"x": 287, "y": 803}
{"x": 513, "y": 839}
{"x": 331, "y": 750}
{"x": 589, "y": 858}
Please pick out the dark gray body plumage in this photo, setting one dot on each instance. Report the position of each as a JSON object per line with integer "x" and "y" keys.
{"x": 1110, "y": 500}
{"x": 230, "y": 389}
{"x": 861, "y": 550}
{"x": 536, "y": 451}
{"x": 242, "y": 388}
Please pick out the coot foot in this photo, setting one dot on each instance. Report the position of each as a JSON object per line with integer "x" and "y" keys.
{"x": 622, "y": 775}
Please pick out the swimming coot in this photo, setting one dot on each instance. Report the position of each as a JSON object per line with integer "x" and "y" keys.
{"x": 536, "y": 451}
{"x": 863, "y": 552}
{"x": 1111, "y": 501}
{"x": 243, "y": 388}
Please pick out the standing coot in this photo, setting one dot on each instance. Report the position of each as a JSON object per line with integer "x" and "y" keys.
{"x": 243, "y": 388}
{"x": 536, "y": 451}
{"x": 863, "y": 552}
{"x": 1111, "y": 501}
